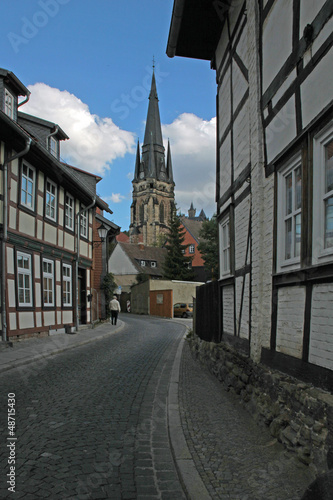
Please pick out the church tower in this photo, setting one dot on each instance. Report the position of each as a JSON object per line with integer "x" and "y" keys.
{"x": 153, "y": 185}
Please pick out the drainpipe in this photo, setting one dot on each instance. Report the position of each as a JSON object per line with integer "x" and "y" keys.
{"x": 5, "y": 235}
{"x": 78, "y": 215}
{"x": 25, "y": 100}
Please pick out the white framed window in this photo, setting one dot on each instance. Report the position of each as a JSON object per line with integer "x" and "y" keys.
{"x": 69, "y": 212}
{"x": 53, "y": 146}
{"x": 67, "y": 285}
{"x": 51, "y": 200}
{"x": 143, "y": 263}
{"x": 24, "y": 279}
{"x": 289, "y": 215}
{"x": 28, "y": 183}
{"x": 191, "y": 249}
{"x": 153, "y": 263}
{"x": 323, "y": 196}
{"x": 48, "y": 282}
{"x": 9, "y": 104}
{"x": 84, "y": 224}
{"x": 224, "y": 231}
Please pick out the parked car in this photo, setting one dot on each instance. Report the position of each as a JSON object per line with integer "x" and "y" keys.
{"x": 183, "y": 310}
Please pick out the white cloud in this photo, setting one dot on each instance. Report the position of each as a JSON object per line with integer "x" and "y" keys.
{"x": 94, "y": 142}
{"x": 193, "y": 147}
{"x": 114, "y": 198}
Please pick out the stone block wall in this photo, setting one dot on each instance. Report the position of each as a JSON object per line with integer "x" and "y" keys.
{"x": 298, "y": 415}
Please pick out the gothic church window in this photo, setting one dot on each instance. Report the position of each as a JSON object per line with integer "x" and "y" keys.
{"x": 142, "y": 214}
{"x": 162, "y": 212}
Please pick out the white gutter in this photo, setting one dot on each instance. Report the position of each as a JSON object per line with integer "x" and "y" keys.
{"x": 5, "y": 236}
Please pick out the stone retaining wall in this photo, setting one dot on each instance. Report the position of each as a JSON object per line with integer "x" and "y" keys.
{"x": 298, "y": 415}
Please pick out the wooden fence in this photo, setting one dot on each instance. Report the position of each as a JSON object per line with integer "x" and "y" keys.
{"x": 207, "y": 312}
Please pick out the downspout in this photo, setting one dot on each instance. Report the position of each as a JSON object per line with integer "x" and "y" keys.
{"x": 53, "y": 133}
{"x": 5, "y": 236}
{"x": 78, "y": 215}
{"x": 24, "y": 101}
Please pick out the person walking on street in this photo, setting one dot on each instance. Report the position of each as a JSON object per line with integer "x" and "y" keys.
{"x": 115, "y": 309}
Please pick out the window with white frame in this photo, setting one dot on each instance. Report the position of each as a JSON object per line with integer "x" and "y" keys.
{"x": 24, "y": 279}
{"x": 28, "y": 183}
{"x": 9, "y": 104}
{"x": 323, "y": 195}
{"x": 67, "y": 285}
{"x": 153, "y": 263}
{"x": 143, "y": 263}
{"x": 84, "y": 224}
{"x": 69, "y": 212}
{"x": 53, "y": 146}
{"x": 48, "y": 282}
{"x": 51, "y": 200}
{"x": 224, "y": 247}
{"x": 191, "y": 249}
{"x": 289, "y": 215}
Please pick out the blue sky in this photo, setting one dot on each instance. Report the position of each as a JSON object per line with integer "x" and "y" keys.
{"x": 88, "y": 65}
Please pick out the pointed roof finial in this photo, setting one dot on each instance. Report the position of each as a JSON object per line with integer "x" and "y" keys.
{"x": 153, "y": 63}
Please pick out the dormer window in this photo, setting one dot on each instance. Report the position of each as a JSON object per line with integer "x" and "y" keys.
{"x": 54, "y": 146}
{"x": 153, "y": 263}
{"x": 9, "y": 104}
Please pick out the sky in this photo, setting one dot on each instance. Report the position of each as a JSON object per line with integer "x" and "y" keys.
{"x": 88, "y": 65}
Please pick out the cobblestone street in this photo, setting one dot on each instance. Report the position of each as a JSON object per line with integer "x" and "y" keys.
{"x": 131, "y": 415}
{"x": 91, "y": 422}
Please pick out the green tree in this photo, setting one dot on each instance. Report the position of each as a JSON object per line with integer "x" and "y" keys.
{"x": 209, "y": 247}
{"x": 108, "y": 286}
{"x": 177, "y": 265}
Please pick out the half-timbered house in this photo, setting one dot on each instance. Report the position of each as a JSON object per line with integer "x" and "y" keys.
{"x": 46, "y": 221}
{"x": 274, "y": 179}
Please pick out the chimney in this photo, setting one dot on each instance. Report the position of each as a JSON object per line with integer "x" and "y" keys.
{"x": 141, "y": 246}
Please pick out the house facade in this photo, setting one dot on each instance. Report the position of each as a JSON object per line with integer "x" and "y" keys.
{"x": 191, "y": 225}
{"x": 274, "y": 190}
{"x": 129, "y": 260}
{"x": 46, "y": 220}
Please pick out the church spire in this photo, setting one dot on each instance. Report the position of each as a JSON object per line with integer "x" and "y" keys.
{"x": 169, "y": 164}
{"x": 137, "y": 162}
{"x": 153, "y": 123}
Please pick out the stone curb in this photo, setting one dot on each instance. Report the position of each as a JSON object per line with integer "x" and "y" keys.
{"x": 191, "y": 481}
{"x": 31, "y": 359}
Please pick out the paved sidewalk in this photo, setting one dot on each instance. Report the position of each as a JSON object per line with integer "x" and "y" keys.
{"x": 234, "y": 457}
{"x": 28, "y": 351}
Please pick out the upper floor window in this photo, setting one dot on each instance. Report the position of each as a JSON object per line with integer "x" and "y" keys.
{"x": 28, "y": 181}
{"x": 143, "y": 263}
{"x": 9, "y": 104}
{"x": 323, "y": 195}
{"x": 191, "y": 249}
{"x": 54, "y": 146}
{"x": 289, "y": 214}
{"x": 67, "y": 285}
{"x": 48, "y": 282}
{"x": 24, "y": 279}
{"x": 153, "y": 263}
{"x": 84, "y": 224}
{"x": 51, "y": 200}
{"x": 69, "y": 212}
{"x": 224, "y": 247}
